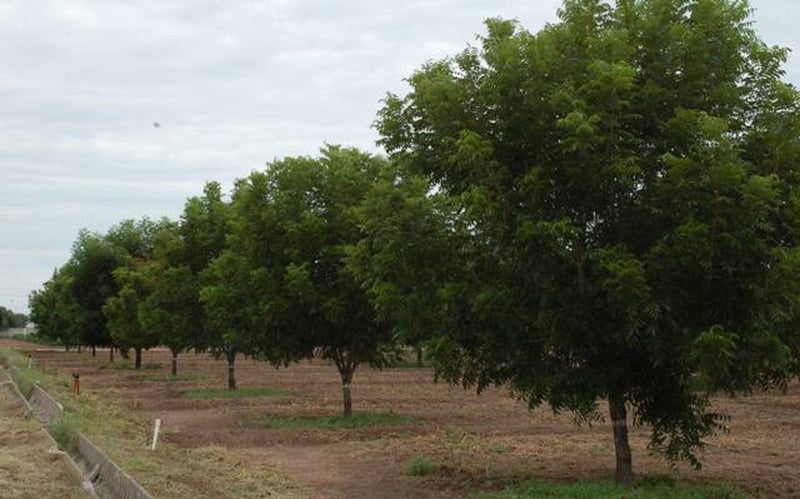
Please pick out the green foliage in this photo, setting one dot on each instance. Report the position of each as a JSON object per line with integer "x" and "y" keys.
{"x": 357, "y": 420}
{"x": 282, "y": 287}
{"x": 70, "y": 307}
{"x": 171, "y": 309}
{"x": 122, "y": 311}
{"x": 404, "y": 249}
{"x": 183, "y": 263}
{"x": 227, "y": 300}
{"x": 655, "y": 489}
{"x": 138, "y": 241}
{"x": 89, "y": 275}
{"x": 210, "y": 393}
{"x": 419, "y": 465}
{"x": 606, "y": 209}
{"x": 54, "y": 309}
{"x": 9, "y": 319}
{"x": 615, "y": 212}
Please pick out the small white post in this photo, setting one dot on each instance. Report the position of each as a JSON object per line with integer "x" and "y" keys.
{"x": 155, "y": 434}
{"x": 30, "y": 361}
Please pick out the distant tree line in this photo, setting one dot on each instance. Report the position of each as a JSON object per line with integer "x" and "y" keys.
{"x": 608, "y": 209}
{"x": 9, "y": 319}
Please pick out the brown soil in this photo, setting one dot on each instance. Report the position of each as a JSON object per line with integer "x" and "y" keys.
{"x": 478, "y": 442}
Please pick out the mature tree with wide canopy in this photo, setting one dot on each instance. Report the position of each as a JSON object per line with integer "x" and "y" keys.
{"x": 628, "y": 179}
{"x": 204, "y": 228}
{"x": 405, "y": 254}
{"x": 292, "y": 227}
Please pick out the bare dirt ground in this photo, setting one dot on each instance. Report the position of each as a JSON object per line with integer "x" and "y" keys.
{"x": 478, "y": 442}
{"x": 30, "y": 465}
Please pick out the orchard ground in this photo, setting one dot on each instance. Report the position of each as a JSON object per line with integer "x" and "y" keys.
{"x": 30, "y": 464}
{"x": 270, "y": 441}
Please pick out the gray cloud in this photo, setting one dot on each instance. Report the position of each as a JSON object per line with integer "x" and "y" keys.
{"x": 232, "y": 84}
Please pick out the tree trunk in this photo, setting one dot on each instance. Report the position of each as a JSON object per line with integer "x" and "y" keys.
{"x": 137, "y": 361}
{"x": 419, "y": 355}
{"x": 111, "y": 354}
{"x": 174, "y": 363}
{"x": 619, "y": 422}
{"x": 94, "y": 351}
{"x": 231, "y": 356}
{"x": 347, "y": 377}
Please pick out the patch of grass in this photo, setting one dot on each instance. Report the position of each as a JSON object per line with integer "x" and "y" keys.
{"x": 646, "y": 488}
{"x": 65, "y": 435}
{"x": 222, "y": 393}
{"x": 146, "y": 366}
{"x": 420, "y": 465}
{"x": 162, "y": 377}
{"x": 335, "y": 422}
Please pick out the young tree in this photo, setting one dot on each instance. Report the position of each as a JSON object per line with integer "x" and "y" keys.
{"x": 122, "y": 312}
{"x": 629, "y": 185}
{"x": 52, "y": 309}
{"x": 227, "y": 300}
{"x": 91, "y": 269}
{"x": 203, "y": 230}
{"x": 292, "y": 226}
{"x": 171, "y": 310}
{"x": 136, "y": 241}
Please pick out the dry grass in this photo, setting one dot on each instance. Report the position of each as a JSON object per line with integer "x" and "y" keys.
{"x": 30, "y": 467}
{"x": 124, "y": 436}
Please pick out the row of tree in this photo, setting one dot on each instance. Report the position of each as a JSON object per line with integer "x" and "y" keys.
{"x": 9, "y": 319}
{"x": 608, "y": 209}
{"x": 265, "y": 274}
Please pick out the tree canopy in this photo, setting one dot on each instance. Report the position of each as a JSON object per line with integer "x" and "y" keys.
{"x": 284, "y": 281}
{"x": 629, "y": 187}
{"x": 603, "y": 215}
{"x": 9, "y": 318}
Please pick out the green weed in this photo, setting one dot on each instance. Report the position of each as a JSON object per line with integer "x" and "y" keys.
{"x": 645, "y": 488}
{"x": 420, "y": 465}
{"x": 336, "y": 422}
{"x": 221, "y": 393}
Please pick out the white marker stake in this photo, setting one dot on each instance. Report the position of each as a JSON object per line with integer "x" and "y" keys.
{"x": 30, "y": 361}
{"x": 155, "y": 434}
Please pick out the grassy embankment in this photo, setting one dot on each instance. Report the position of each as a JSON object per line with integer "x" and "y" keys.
{"x": 124, "y": 435}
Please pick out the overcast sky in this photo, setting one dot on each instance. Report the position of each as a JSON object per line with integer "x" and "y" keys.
{"x": 232, "y": 84}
